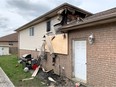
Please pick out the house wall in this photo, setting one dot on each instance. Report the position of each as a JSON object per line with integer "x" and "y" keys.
{"x": 27, "y": 42}
{"x": 13, "y": 49}
{"x": 15, "y": 44}
{"x": 4, "y": 50}
{"x": 101, "y": 55}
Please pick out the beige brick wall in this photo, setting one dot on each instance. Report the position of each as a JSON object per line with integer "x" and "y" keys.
{"x": 101, "y": 56}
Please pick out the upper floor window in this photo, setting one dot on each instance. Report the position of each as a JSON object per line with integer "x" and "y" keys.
{"x": 48, "y": 25}
{"x": 31, "y": 31}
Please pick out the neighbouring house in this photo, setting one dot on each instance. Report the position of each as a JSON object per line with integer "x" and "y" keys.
{"x": 84, "y": 43}
{"x": 9, "y": 44}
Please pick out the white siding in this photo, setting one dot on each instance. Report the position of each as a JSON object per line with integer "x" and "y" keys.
{"x": 4, "y": 50}
{"x": 34, "y": 42}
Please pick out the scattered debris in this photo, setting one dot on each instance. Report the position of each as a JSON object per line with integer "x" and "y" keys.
{"x": 35, "y": 72}
{"x": 51, "y": 79}
{"x": 16, "y": 65}
{"x": 43, "y": 83}
{"x": 28, "y": 62}
{"x": 33, "y": 75}
{"x": 68, "y": 15}
{"x": 26, "y": 69}
{"x": 27, "y": 79}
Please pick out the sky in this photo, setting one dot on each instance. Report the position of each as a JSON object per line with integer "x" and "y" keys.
{"x": 16, "y": 13}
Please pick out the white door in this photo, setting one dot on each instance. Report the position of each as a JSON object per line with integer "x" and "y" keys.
{"x": 79, "y": 49}
{"x": 1, "y": 51}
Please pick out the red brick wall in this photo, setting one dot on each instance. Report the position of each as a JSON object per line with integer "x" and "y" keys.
{"x": 101, "y": 56}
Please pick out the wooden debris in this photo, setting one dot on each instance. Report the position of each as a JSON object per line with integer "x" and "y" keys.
{"x": 36, "y": 71}
{"x": 49, "y": 44}
{"x": 27, "y": 79}
{"x": 51, "y": 79}
{"x": 33, "y": 75}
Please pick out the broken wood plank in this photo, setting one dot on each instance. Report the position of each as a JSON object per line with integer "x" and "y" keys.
{"x": 36, "y": 71}
{"x": 27, "y": 79}
{"x": 49, "y": 44}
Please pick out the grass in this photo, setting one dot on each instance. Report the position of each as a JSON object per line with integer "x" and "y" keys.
{"x": 15, "y": 72}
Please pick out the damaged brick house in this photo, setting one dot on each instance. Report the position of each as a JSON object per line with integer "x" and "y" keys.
{"x": 92, "y": 49}
{"x": 32, "y": 34}
{"x": 83, "y": 43}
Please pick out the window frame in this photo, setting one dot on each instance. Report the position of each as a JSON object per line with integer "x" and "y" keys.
{"x": 48, "y": 26}
{"x": 31, "y": 31}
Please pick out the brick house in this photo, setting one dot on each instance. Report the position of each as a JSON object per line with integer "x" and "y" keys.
{"x": 92, "y": 49}
{"x": 90, "y": 43}
{"x": 10, "y": 43}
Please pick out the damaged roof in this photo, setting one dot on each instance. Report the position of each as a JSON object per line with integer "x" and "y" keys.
{"x": 96, "y": 19}
{"x": 51, "y": 14}
{"x": 10, "y": 37}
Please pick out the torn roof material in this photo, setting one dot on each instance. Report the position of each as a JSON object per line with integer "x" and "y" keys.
{"x": 96, "y": 19}
{"x": 51, "y": 14}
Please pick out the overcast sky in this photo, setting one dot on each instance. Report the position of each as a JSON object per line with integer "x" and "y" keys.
{"x": 15, "y": 13}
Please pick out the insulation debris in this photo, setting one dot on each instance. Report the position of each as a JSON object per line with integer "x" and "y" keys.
{"x": 67, "y": 15}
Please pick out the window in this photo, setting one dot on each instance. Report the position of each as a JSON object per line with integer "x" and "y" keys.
{"x": 48, "y": 25}
{"x": 31, "y": 31}
{"x": 10, "y": 43}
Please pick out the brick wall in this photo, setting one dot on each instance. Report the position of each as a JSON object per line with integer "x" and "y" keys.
{"x": 101, "y": 56}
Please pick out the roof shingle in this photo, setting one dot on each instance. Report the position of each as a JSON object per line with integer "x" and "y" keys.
{"x": 10, "y": 37}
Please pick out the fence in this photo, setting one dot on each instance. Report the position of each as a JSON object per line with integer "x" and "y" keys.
{"x": 13, "y": 50}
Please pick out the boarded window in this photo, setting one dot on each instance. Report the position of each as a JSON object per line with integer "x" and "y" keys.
{"x": 48, "y": 24}
{"x": 31, "y": 31}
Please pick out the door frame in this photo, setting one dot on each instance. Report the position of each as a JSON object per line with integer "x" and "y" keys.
{"x": 73, "y": 58}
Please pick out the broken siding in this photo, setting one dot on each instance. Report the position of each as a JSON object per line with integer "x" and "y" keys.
{"x": 27, "y": 42}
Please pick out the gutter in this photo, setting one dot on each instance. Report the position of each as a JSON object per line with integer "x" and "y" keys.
{"x": 90, "y": 22}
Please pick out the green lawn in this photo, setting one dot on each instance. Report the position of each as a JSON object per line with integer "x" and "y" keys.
{"x": 15, "y": 72}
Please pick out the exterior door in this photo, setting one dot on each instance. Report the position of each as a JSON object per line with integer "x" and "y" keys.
{"x": 1, "y": 51}
{"x": 79, "y": 53}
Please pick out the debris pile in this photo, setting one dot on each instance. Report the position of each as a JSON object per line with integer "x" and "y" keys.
{"x": 28, "y": 62}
